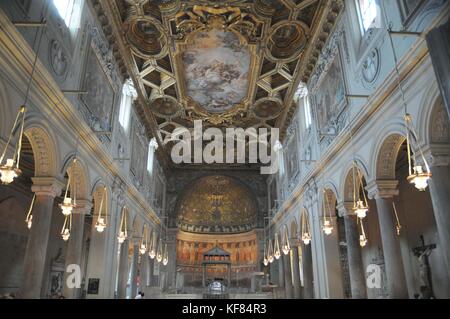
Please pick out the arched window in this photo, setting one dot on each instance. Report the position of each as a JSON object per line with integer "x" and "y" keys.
{"x": 152, "y": 147}
{"x": 302, "y": 99}
{"x": 66, "y": 10}
{"x": 128, "y": 95}
{"x": 368, "y": 13}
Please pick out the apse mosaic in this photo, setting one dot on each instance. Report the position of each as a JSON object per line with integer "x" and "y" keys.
{"x": 216, "y": 204}
{"x": 216, "y": 70}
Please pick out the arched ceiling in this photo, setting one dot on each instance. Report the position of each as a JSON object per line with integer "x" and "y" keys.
{"x": 233, "y": 63}
{"x": 216, "y": 204}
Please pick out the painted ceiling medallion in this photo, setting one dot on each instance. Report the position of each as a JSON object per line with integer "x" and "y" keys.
{"x": 216, "y": 66}
{"x": 165, "y": 106}
{"x": 267, "y": 108}
{"x": 146, "y": 37}
{"x": 287, "y": 40}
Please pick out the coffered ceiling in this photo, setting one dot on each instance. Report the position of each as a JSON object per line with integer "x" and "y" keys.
{"x": 229, "y": 63}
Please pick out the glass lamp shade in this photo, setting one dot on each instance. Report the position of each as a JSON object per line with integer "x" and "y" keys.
{"x": 66, "y": 234}
{"x": 66, "y": 206}
{"x": 165, "y": 261}
{"x": 327, "y": 227}
{"x": 122, "y": 236}
{"x": 306, "y": 238}
{"x": 152, "y": 253}
{"x": 360, "y": 209}
{"x": 362, "y": 240}
{"x": 419, "y": 178}
{"x": 8, "y": 172}
{"x": 29, "y": 221}
{"x": 159, "y": 258}
{"x": 265, "y": 261}
{"x": 100, "y": 225}
{"x": 271, "y": 259}
{"x": 286, "y": 249}
{"x": 142, "y": 249}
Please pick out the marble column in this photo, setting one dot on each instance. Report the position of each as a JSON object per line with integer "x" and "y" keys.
{"x": 123, "y": 270}
{"x": 280, "y": 272}
{"x": 75, "y": 245}
{"x": 308, "y": 275}
{"x": 287, "y": 276}
{"x": 383, "y": 192}
{"x": 144, "y": 272}
{"x": 296, "y": 270}
{"x": 151, "y": 281}
{"x": 440, "y": 198}
{"x": 355, "y": 264}
{"x": 439, "y": 48}
{"x": 134, "y": 267}
{"x": 45, "y": 189}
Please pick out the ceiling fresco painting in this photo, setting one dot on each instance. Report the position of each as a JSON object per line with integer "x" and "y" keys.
{"x": 216, "y": 67}
{"x": 230, "y": 64}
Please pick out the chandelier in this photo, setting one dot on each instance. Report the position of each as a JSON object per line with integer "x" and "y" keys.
{"x": 143, "y": 245}
{"x": 417, "y": 175}
{"x": 101, "y": 223}
{"x": 10, "y": 170}
{"x": 151, "y": 248}
{"x": 360, "y": 206}
{"x": 29, "y": 218}
{"x": 362, "y": 236}
{"x": 306, "y": 233}
{"x": 265, "y": 259}
{"x": 123, "y": 227}
{"x": 276, "y": 248}
{"x": 327, "y": 226}
{"x": 286, "y": 247}
{"x": 65, "y": 232}
{"x": 270, "y": 256}
{"x": 68, "y": 205}
{"x": 165, "y": 259}
{"x": 159, "y": 252}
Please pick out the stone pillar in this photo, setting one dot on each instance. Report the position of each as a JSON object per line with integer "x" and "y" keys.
{"x": 151, "y": 280}
{"x": 439, "y": 48}
{"x": 134, "y": 266}
{"x": 123, "y": 270}
{"x": 144, "y": 272}
{"x": 280, "y": 272}
{"x": 383, "y": 192}
{"x": 296, "y": 269}
{"x": 355, "y": 264}
{"x": 308, "y": 275}
{"x": 45, "y": 189}
{"x": 287, "y": 276}
{"x": 440, "y": 198}
{"x": 75, "y": 245}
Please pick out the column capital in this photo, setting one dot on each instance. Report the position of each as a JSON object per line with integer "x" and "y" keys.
{"x": 345, "y": 208}
{"x": 436, "y": 155}
{"x": 47, "y": 186}
{"x": 83, "y": 207}
{"x": 382, "y": 189}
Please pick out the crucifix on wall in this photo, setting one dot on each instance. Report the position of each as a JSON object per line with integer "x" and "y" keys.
{"x": 422, "y": 253}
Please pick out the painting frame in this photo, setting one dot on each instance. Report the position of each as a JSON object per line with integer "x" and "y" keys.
{"x": 332, "y": 116}
{"x": 292, "y": 157}
{"x": 94, "y": 72}
{"x": 138, "y": 156}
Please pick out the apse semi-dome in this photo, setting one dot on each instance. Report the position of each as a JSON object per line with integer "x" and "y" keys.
{"x": 217, "y": 204}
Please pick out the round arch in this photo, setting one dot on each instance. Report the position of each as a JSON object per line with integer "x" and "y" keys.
{"x": 78, "y": 173}
{"x": 44, "y": 150}
{"x": 346, "y": 189}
